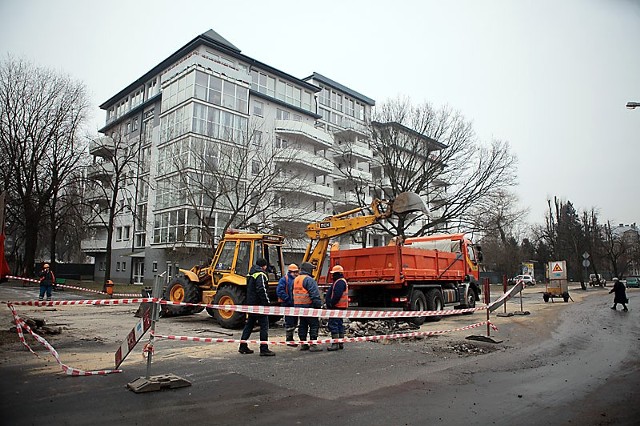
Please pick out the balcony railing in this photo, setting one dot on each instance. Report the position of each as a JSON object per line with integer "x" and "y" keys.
{"x": 351, "y": 174}
{"x": 102, "y": 147}
{"x": 100, "y": 171}
{"x": 304, "y": 130}
{"x": 93, "y": 246}
{"x": 300, "y": 157}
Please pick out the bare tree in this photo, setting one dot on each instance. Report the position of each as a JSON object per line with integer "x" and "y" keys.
{"x": 112, "y": 178}
{"x": 41, "y": 114}
{"x": 435, "y": 154}
{"x": 238, "y": 182}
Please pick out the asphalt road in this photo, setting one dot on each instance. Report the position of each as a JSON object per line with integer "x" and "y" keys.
{"x": 574, "y": 363}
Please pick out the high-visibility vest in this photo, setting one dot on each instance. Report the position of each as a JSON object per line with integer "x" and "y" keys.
{"x": 343, "y": 303}
{"x": 300, "y": 294}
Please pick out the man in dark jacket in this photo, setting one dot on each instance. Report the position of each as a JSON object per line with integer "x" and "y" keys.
{"x": 257, "y": 283}
{"x": 620, "y": 295}
{"x": 307, "y": 295}
{"x": 285, "y": 297}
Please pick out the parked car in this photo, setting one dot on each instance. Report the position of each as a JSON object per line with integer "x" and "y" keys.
{"x": 527, "y": 279}
{"x": 633, "y": 282}
{"x": 596, "y": 279}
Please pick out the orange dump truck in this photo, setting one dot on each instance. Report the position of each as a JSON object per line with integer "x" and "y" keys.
{"x": 423, "y": 273}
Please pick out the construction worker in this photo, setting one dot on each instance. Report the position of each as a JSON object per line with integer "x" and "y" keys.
{"x": 46, "y": 282}
{"x": 257, "y": 282}
{"x": 337, "y": 297}
{"x": 307, "y": 295}
{"x": 284, "y": 290}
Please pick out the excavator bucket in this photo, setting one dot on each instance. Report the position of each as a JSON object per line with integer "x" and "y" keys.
{"x": 408, "y": 202}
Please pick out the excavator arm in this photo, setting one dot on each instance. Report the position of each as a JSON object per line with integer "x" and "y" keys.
{"x": 320, "y": 233}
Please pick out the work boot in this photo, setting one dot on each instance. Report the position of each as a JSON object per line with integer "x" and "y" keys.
{"x": 304, "y": 346}
{"x": 625, "y": 309}
{"x": 613, "y": 307}
{"x": 313, "y": 347}
{"x": 267, "y": 352}
{"x": 244, "y": 349}
{"x": 341, "y": 336}
{"x": 290, "y": 338}
{"x": 334, "y": 346}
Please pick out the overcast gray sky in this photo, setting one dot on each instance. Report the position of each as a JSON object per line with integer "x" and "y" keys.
{"x": 551, "y": 77}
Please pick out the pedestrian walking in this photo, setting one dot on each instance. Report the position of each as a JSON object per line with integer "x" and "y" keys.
{"x": 46, "y": 282}
{"x": 337, "y": 297}
{"x": 620, "y": 295}
{"x": 307, "y": 295}
{"x": 257, "y": 283}
{"x": 284, "y": 290}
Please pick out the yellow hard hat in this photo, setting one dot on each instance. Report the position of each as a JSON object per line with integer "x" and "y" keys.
{"x": 337, "y": 268}
{"x": 293, "y": 268}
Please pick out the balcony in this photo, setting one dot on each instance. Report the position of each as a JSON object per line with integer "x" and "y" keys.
{"x": 98, "y": 196}
{"x": 98, "y": 221}
{"x": 305, "y": 131}
{"x": 348, "y": 200}
{"x": 102, "y": 147}
{"x": 297, "y": 215}
{"x": 100, "y": 171}
{"x": 304, "y": 158}
{"x": 352, "y": 130}
{"x": 93, "y": 246}
{"x": 304, "y": 186}
{"x": 354, "y": 149}
{"x": 353, "y": 174}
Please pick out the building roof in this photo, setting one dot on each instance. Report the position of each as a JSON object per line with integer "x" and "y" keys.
{"x": 216, "y": 41}
{"x": 345, "y": 89}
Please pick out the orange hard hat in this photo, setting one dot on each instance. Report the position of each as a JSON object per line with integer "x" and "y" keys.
{"x": 337, "y": 268}
{"x": 293, "y": 268}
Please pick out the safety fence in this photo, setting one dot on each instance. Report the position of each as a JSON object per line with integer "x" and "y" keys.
{"x": 22, "y": 326}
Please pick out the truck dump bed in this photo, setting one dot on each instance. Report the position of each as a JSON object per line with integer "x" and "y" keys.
{"x": 397, "y": 265}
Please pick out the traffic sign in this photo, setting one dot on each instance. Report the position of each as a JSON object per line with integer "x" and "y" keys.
{"x": 585, "y": 255}
{"x": 586, "y": 263}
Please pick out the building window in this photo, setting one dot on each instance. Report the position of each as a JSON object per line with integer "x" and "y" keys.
{"x": 124, "y": 266}
{"x": 117, "y": 266}
{"x": 282, "y": 114}
{"x": 154, "y": 267}
{"x": 119, "y": 233}
{"x": 258, "y": 108}
{"x": 257, "y": 138}
{"x": 126, "y": 232}
{"x": 255, "y": 168}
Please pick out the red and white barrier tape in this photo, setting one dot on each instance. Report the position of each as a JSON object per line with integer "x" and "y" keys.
{"x": 81, "y": 302}
{"x": 323, "y": 341}
{"x": 325, "y": 313}
{"x": 71, "y": 287}
{"x": 70, "y": 371}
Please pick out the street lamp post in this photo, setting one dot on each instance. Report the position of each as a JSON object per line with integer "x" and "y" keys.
{"x": 633, "y": 105}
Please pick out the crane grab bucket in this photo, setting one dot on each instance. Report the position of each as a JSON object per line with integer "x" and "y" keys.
{"x": 408, "y": 202}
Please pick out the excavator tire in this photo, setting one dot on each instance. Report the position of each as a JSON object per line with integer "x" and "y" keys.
{"x": 434, "y": 303}
{"x": 229, "y": 295}
{"x": 418, "y": 303}
{"x": 181, "y": 290}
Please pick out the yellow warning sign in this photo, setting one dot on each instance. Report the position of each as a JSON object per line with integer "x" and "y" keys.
{"x": 557, "y": 268}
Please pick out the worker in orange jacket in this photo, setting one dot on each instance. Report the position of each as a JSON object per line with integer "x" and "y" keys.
{"x": 307, "y": 295}
{"x": 337, "y": 297}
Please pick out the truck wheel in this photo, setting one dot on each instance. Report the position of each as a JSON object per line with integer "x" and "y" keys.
{"x": 181, "y": 290}
{"x": 471, "y": 300}
{"x": 418, "y": 303}
{"x": 230, "y": 295}
{"x": 434, "y": 303}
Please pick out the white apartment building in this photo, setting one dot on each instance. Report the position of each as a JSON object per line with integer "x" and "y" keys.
{"x": 188, "y": 110}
